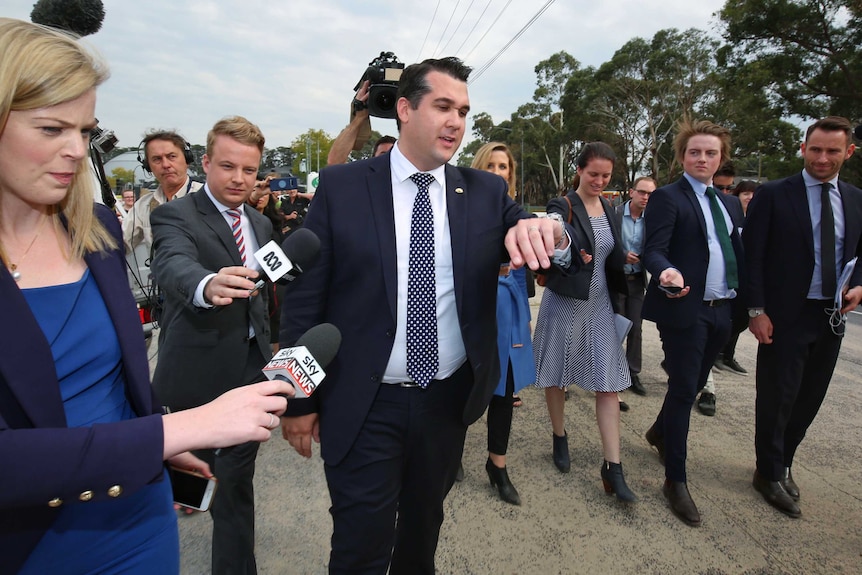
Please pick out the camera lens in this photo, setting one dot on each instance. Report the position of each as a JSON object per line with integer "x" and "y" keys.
{"x": 385, "y": 101}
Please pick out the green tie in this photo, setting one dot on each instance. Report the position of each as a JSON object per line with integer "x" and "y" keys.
{"x": 730, "y": 272}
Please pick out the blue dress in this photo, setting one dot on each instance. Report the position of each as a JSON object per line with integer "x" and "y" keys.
{"x": 135, "y": 534}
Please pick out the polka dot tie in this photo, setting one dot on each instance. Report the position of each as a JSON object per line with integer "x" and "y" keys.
{"x": 422, "y": 360}
{"x": 236, "y": 229}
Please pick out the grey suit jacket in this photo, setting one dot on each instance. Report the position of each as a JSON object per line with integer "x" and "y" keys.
{"x": 202, "y": 352}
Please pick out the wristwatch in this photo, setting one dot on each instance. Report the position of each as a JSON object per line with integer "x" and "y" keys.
{"x": 559, "y": 219}
{"x": 755, "y": 312}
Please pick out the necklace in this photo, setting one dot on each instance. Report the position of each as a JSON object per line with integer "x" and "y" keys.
{"x": 13, "y": 268}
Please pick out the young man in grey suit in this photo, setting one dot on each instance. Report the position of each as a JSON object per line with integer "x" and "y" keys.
{"x": 215, "y": 335}
{"x": 799, "y": 233}
{"x": 410, "y": 254}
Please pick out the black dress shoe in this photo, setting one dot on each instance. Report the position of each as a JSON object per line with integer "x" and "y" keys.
{"x": 706, "y": 403}
{"x": 789, "y": 485}
{"x": 624, "y": 406}
{"x": 637, "y": 387}
{"x": 681, "y": 502}
{"x": 775, "y": 495}
{"x": 500, "y": 479}
{"x": 654, "y": 439}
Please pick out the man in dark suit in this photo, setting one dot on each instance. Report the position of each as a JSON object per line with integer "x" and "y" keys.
{"x": 215, "y": 335}
{"x": 392, "y": 416}
{"x": 630, "y": 219}
{"x": 692, "y": 248}
{"x": 796, "y": 245}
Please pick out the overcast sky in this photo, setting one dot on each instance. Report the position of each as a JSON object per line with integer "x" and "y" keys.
{"x": 291, "y": 65}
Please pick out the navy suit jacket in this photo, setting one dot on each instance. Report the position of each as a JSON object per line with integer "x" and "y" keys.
{"x": 353, "y": 286}
{"x": 42, "y": 458}
{"x": 779, "y": 245}
{"x": 202, "y": 352}
{"x": 675, "y": 236}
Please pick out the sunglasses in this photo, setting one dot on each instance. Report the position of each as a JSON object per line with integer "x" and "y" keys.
{"x": 725, "y": 188}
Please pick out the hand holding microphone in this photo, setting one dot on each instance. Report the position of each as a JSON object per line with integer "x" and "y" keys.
{"x": 286, "y": 263}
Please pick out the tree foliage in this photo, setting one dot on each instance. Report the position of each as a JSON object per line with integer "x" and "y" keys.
{"x": 310, "y": 151}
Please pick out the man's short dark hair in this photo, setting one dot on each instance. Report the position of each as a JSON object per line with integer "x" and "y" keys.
{"x": 383, "y": 140}
{"x": 726, "y": 169}
{"x": 413, "y": 84}
{"x": 831, "y": 124}
{"x": 167, "y": 135}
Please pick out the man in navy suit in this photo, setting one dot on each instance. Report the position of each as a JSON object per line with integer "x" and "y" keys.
{"x": 391, "y": 439}
{"x": 692, "y": 248}
{"x": 795, "y": 252}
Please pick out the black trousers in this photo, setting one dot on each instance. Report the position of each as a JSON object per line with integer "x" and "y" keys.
{"x": 232, "y": 509}
{"x": 387, "y": 494}
{"x": 793, "y": 375}
{"x": 689, "y": 355}
{"x": 630, "y": 306}
{"x": 500, "y": 417}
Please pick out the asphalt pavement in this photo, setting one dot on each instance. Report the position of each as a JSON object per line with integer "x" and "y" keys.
{"x": 567, "y": 525}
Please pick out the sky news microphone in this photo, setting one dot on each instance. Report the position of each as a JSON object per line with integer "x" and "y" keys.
{"x": 297, "y": 253}
{"x": 302, "y": 365}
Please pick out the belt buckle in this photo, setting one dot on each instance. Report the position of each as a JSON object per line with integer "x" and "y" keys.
{"x": 408, "y": 384}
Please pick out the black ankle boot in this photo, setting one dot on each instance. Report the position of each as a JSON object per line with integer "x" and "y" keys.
{"x": 615, "y": 482}
{"x": 561, "y": 452}
{"x": 500, "y": 479}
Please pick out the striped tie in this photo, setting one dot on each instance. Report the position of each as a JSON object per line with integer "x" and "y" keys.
{"x": 236, "y": 228}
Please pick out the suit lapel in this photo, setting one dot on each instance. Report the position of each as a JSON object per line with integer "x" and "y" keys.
{"x": 582, "y": 220}
{"x": 689, "y": 194}
{"x": 851, "y": 222}
{"x": 27, "y": 357}
{"x": 379, "y": 191}
{"x": 457, "y": 204}
{"x": 216, "y": 222}
{"x": 797, "y": 197}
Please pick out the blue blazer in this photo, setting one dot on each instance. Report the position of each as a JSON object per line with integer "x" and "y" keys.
{"x": 675, "y": 236}
{"x": 41, "y": 458}
{"x": 353, "y": 286}
{"x": 779, "y": 245}
{"x": 514, "y": 341}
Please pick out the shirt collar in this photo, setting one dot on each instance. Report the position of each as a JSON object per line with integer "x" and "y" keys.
{"x": 812, "y": 182}
{"x": 402, "y": 168}
{"x": 221, "y": 207}
{"x": 698, "y": 186}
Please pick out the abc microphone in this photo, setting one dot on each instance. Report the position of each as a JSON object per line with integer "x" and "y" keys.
{"x": 302, "y": 365}
{"x": 286, "y": 263}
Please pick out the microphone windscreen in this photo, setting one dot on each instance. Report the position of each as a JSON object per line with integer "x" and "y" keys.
{"x": 81, "y": 17}
{"x": 302, "y": 247}
{"x": 322, "y": 342}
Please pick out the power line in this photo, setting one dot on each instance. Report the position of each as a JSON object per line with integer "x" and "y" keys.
{"x": 458, "y": 27}
{"x": 488, "y": 30}
{"x": 452, "y": 15}
{"x": 430, "y": 24}
{"x": 482, "y": 69}
{"x": 470, "y": 33}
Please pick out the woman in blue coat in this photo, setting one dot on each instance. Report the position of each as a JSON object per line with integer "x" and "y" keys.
{"x": 514, "y": 346}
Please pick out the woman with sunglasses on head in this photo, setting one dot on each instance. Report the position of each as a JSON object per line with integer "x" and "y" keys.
{"x": 83, "y": 441}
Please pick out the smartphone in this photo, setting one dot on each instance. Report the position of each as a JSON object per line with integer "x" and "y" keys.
{"x": 283, "y": 184}
{"x": 191, "y": 489}
{"x": 672, "y": 290}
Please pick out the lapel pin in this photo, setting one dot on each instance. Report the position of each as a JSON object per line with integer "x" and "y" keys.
{"x": 459, "y": 190}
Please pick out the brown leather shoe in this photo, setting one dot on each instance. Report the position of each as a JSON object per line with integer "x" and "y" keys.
{"x": 775, "y": 495}
{"x": 681, "y": 502}
{"x": 789, "y": 485}
{"x": 654, "y": 439}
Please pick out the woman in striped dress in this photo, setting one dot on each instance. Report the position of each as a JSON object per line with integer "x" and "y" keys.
{"x": 576, "y": 340}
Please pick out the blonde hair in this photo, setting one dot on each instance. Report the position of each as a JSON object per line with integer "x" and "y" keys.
{"x": 483, "y": 158}
{"x": 686, "y": 130}
{"x": 42, "y": 67}
{"x": 237, "y": 128}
